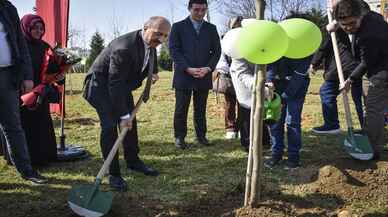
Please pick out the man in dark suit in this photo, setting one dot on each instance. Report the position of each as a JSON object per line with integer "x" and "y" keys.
{"x": 118, "y": 70}
{"x": 369, "y": 33}
{"x": 15, "y": 76}
{"x": 195, "y": 49}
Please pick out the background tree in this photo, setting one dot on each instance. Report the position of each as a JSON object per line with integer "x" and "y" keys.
{"x": 164, "y": 60}
{"x": 96, "y": 46}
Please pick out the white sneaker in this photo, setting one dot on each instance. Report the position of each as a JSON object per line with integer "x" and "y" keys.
{"x": 230, "y": 135}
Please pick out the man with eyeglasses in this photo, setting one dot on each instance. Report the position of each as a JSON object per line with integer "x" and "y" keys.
{"x": 369, "y": 36}
{"x": 118, "y": 70}
{"x": 195, "y": 49}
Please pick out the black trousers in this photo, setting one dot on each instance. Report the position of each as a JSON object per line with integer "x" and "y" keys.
{"x": 244, "y": 125}
{"x": 182, "y": 103}
{"x": 109, "y": 132}
{"x": 11, "y": 124}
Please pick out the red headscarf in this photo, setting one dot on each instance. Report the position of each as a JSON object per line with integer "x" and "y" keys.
{"x": 28, "y": 22}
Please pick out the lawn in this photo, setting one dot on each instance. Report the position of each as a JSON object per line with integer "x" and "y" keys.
{"x": 202, "y": 181}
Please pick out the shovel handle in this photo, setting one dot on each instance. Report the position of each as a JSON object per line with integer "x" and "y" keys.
{"x": 118, "y": 141}
{"x": 340, "y": 71}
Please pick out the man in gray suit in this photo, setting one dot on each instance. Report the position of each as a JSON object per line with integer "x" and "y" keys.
{"x": 15, "y": 76}
{"x": 118, "y": 70}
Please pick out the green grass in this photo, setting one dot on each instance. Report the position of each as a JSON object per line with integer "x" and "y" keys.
{"x": 201, "y": 173}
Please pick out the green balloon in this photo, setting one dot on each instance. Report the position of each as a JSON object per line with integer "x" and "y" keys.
{"x": 263, "y": 42}
{"x": 305, "y": 37}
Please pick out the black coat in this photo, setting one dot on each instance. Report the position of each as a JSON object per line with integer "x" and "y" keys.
{"x": 116, "y": 72}
{"x": 189, "y": 49}
{"x": 21, "y": 60}
{"x": 371, "y": 48}
{"x": 37, "y": 124}
{"x": 325, "y": 56}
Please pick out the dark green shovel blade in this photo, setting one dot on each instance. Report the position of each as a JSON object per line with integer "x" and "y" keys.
{"x": 358, "y": 146}
{"x": 88, "y": 201}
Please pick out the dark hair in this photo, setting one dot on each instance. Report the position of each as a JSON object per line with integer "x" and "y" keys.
{"x": 347, "y": 8}
{"x": 201, "y": 2}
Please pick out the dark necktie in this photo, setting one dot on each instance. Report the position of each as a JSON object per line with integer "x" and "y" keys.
{"x": 147, "y": 89}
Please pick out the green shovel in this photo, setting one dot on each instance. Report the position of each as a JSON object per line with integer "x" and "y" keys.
{"x": 357, "y": 145}
{"x": 88, "y": 200}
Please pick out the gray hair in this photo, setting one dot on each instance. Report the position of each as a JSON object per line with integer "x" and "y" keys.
{"x": 156, "y": 21}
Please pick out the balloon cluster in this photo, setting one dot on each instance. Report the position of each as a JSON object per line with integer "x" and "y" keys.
{"x": 264, "y": 42}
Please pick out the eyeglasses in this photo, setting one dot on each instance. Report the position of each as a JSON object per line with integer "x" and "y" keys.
{"x": 350, "y": 23}
{"x": 161, "y": 34}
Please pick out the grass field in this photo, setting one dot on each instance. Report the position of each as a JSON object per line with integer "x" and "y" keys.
{"x": 194, "y": 182}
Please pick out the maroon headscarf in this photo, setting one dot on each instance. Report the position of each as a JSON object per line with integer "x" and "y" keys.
{"x": 28, "y": 22}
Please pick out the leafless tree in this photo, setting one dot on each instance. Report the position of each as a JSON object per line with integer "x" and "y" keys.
{"x": 74, "y": 36}
{"x": 117, "y": 26}
{"x": 275, "y": 9}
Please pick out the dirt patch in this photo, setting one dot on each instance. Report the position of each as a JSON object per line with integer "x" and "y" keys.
{"x": 323, "y": 191}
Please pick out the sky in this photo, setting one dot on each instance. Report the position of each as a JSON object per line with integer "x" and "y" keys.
{"x": 88, "y": 16}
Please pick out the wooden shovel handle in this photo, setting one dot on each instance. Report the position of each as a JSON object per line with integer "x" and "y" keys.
{"x": 340, "y": 72}
{"x": 119, "y": 140}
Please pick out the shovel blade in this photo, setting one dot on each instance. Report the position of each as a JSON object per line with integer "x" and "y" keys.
{"x": 358, "y": 147}
{"x": 88, "y": 201}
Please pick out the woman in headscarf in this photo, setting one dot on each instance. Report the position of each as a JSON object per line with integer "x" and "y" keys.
{"x": 37, "y": 122}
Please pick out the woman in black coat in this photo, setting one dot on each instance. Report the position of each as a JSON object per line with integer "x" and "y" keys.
{"x": 37, "y": 122}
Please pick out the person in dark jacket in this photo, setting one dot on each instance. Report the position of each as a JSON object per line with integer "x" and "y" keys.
{"x": 195, "y": 48}
{"x": 37, "y": 122}
{"x": 330, "y": 88}
{"x": 370, "y": 47}
{"x": 291, "y": 81}
{"x": 15, "y": 76}
{"x": 118, "y": 70}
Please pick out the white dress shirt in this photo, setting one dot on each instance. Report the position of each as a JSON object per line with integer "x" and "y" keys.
{"x": 5, "y": 50}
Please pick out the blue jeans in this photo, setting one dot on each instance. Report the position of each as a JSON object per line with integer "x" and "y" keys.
{"x": 291, "y": 117}
{"x": 329, "y": 92}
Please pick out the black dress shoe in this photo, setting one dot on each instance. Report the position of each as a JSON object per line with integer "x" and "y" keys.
{"x": 142, "y": 168}
{"x": 203, "y": 141}
{"x": 117, "y": 183}
{"x": 180, "y": 143}
{"x": 376, "y": 156}
{"x": 34, "y": 177}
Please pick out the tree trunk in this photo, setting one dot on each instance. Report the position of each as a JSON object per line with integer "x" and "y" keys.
{"x": 257, "y": 146}
{"x": 260, "y": 8}
{"x": 248, "y": 177}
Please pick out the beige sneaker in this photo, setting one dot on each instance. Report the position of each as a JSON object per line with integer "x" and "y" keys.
{"x": 231, "y": 135}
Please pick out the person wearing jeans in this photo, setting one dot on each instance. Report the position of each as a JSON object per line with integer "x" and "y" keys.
{"x": 329, "y": 92}
{"x": 330, "y": 87}
{"x": 370, "y": 47}
{"x": 291, "y": 82}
